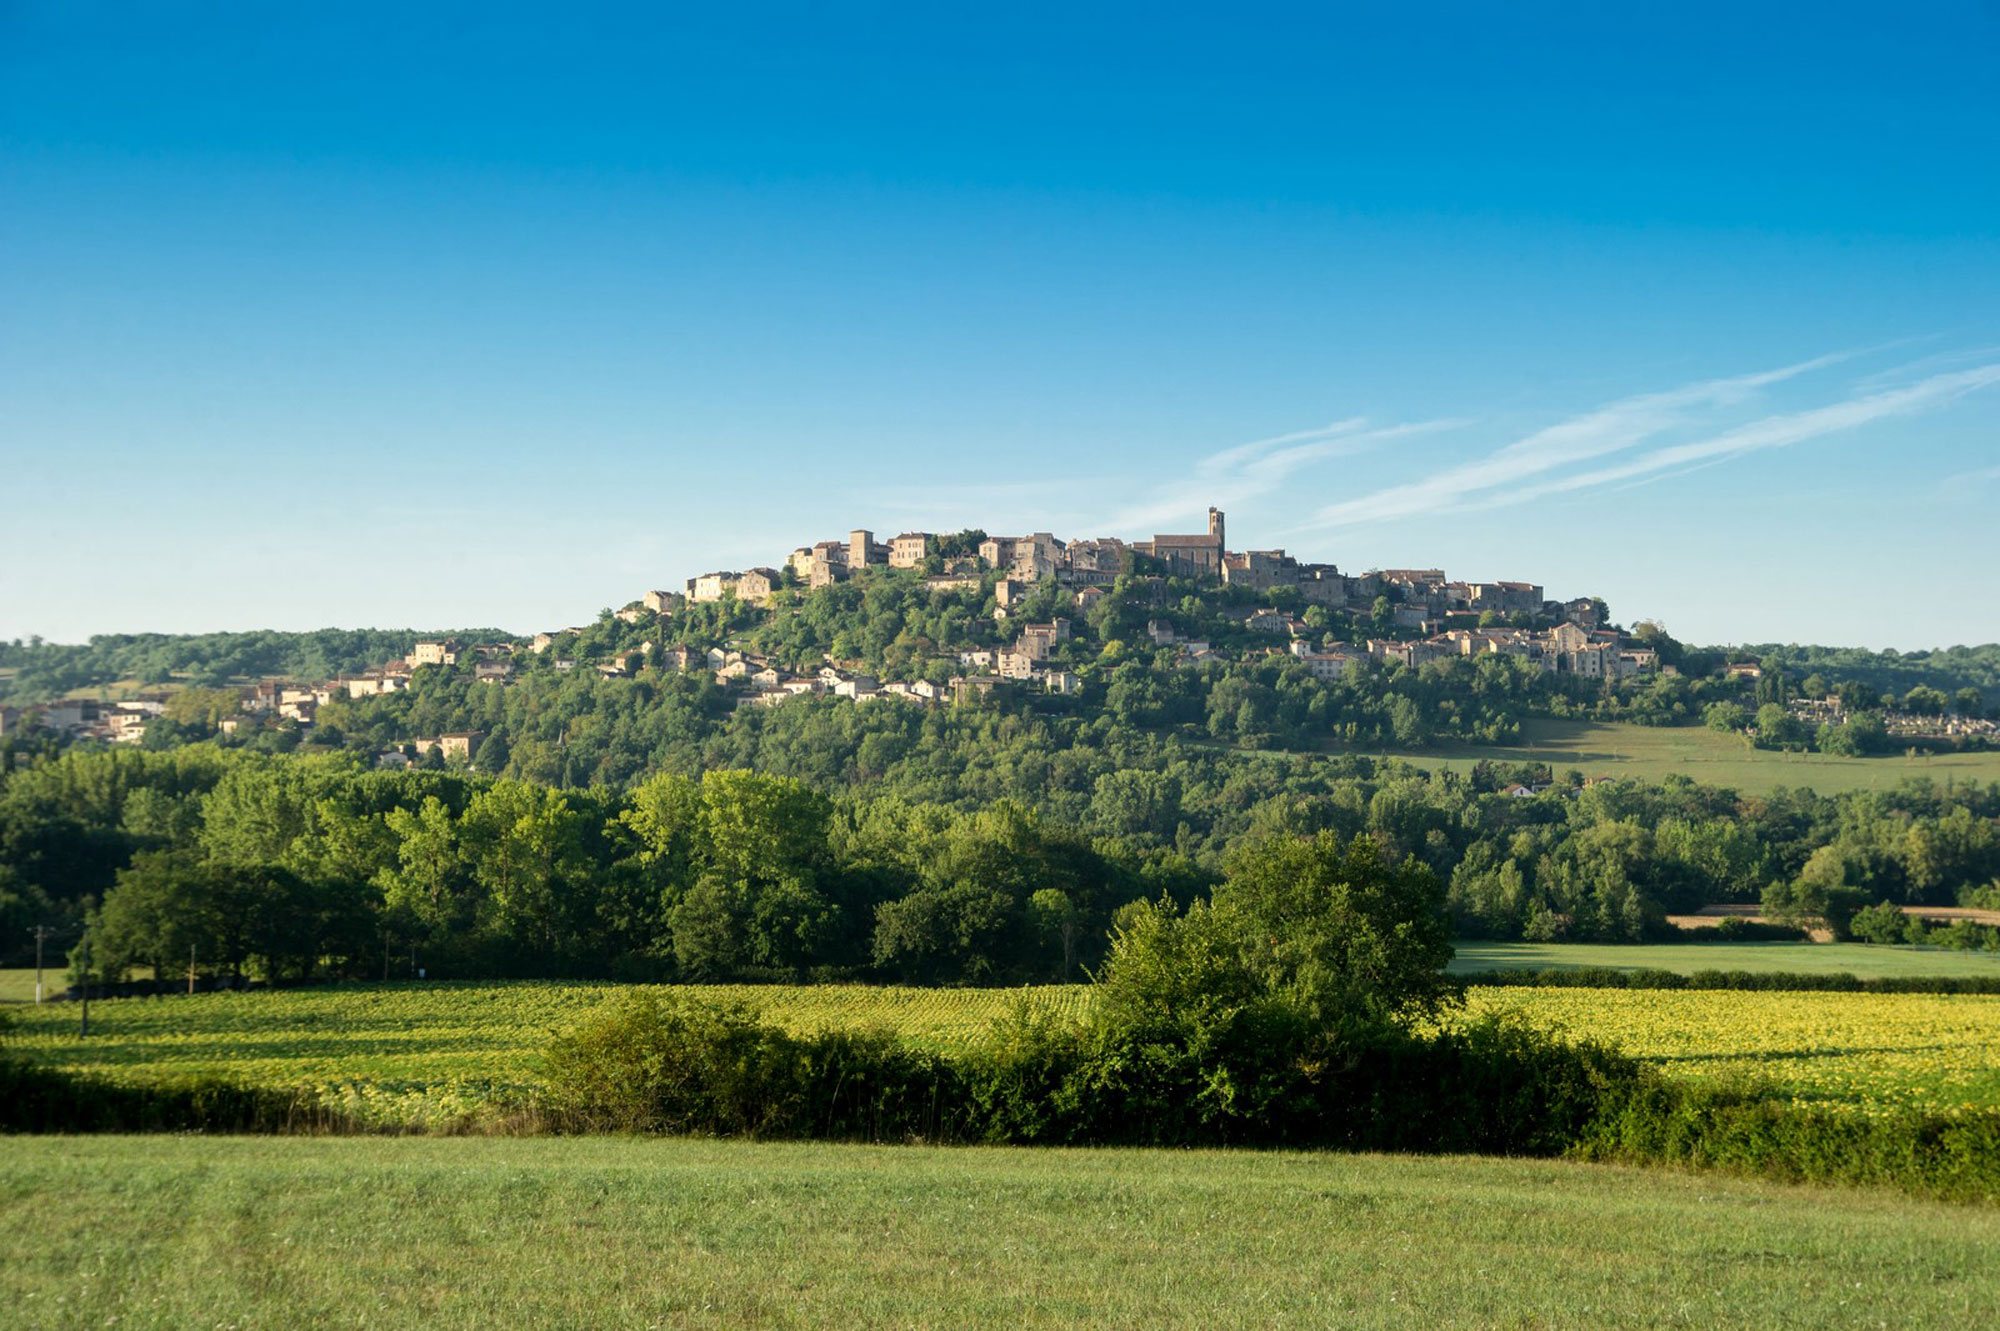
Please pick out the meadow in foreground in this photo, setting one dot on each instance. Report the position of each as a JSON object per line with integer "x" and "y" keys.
{"x": 617, "y": 1232}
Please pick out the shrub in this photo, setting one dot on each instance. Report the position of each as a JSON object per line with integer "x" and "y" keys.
{"x": 1881, "y": 923}
{"x": 1734, "y": 930}
{"x": 675, "y": 1065}
{"x": 41, "y": 1099}
{"x": 648, "y": 1065}
{"x": 1654, "y": 1121}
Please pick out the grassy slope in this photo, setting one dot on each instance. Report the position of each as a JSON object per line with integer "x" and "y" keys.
{"x": 1649, "y": 753}
{"x": 617, "y": 1232}
{"x": 1864, "y": 959}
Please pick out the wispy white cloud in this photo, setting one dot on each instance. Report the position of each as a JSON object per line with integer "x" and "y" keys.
{"x": 1609, "y": 429}
{"x": 1977, "y": 476}
{"x": 1772, "y": 432}
{"x": 1242, "y": 454}
{"x": 1936, "y": 362}
{"x": 1621, "y": 445}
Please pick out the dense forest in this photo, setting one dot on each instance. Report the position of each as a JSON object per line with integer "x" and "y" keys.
{"x": 289, "y": 866}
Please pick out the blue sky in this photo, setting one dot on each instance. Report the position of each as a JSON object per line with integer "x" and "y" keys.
{"x": 495, "y": 315}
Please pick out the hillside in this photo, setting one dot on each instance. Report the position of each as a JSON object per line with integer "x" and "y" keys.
{"x": 1132, "y": 660}
{"x": 965, "y": 770}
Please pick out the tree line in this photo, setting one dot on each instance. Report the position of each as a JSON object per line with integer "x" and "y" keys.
{"x": 289, "y": 867}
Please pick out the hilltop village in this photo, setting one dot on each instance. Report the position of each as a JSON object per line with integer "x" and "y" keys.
{"x": 1278, "y": 605}
{"x": 1508, "y": 618}
{"x": 1039, "y": 615}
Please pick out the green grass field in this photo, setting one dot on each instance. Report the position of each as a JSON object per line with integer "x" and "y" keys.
{"x": 439, "y": 1054}
{"x": 18, "y": 986}
{"x": 1868, "y": 960}
{"x": 613, "y": 1232}
{"x": 1649, "y": 753}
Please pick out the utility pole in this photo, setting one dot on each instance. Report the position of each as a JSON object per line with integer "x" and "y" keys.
{"x": 84, "y": 948}
{"x": 190, "y": 970}
{"x": 42, "y": 933}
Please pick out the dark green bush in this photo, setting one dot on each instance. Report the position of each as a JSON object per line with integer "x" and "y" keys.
{"x": 675, "y": 1065}
{"x": 1733, "y": 930}
{"x": 669, "y": 1065}
{"x": 1656, "y": 1121}
{"x": 40, "y": 1099}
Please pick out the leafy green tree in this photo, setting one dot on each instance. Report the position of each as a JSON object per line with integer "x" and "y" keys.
{"x": 1823, "y": 895}
{"x": 936, "y": 934}
{"x": 1778, "y": 728}
{"x": 1926, "y": 701}
{"x": 1137, "y": 804}
{"x": 757, "y": 900}
{"x": 161, "y": 913}
{"x": 429, "y": 888}
{"x": 1333, "y": 930}
{"x": 1727, "y": 717}
{"x": 1880, "y": 923}
{"x": 1059, "y": 925}
{"x": 523, "y": 849}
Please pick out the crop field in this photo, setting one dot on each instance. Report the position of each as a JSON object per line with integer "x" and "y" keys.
{"x": 1873, "y": 1052}
{"x": 1867, "y": 960}
{"x": 425, "y": 1053}
{"x": 611, "y": 1232}
{"x": 429, "y": 1054}
{"x": 1650, "y": 753}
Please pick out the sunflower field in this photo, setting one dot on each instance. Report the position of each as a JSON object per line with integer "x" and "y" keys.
{"x": 1876, "y": 1052}
{"x": 439, "y": 1053}
{"x": 428, "y": 1054}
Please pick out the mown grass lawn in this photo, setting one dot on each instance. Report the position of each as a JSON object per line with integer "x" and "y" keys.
{"x": 613, "y": 1232}
{"x": 18, "y": 986}
{"x": 1867, "y": 960}
{"x": 1652, "y": 753}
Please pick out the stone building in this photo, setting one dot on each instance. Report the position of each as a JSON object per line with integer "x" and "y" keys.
{"x": 1196, "y": 556}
